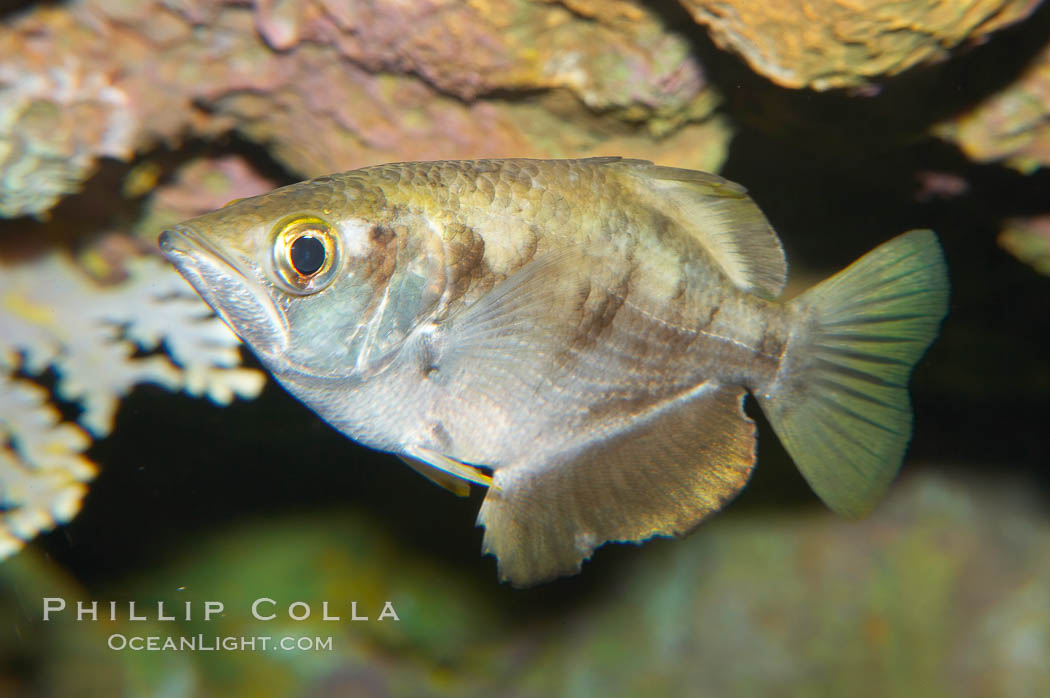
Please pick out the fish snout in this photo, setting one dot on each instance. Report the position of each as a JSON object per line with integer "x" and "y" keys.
{"x": 166, "y": 241}
{"x": 185, "y": 240}
{"x": 174, "y": 242}
{"x": 228, "y": 287}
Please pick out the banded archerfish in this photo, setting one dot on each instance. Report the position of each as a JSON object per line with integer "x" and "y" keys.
{"x": 576, "y": 335}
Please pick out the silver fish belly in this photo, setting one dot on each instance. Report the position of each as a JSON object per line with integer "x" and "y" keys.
{"x": 583, "y": 330}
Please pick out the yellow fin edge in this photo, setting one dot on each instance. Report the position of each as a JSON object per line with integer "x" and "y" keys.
{"x": 452, "y": 466}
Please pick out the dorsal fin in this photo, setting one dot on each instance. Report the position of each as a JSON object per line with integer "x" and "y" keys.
{"x": 724, "y": 219}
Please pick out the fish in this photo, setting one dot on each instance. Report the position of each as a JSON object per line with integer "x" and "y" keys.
{"x": 577, "y": 336}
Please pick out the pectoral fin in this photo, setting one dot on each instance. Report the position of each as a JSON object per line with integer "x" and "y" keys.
{"x": 658, "y": 477}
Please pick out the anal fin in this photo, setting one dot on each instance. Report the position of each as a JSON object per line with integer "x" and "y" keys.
{"x": 658, "y": 476}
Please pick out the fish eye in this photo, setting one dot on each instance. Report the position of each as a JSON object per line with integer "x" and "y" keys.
{"x": 305, "y": 254}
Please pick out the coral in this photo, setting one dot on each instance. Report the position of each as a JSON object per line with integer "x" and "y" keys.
{"x": 1028, "y": 239}
{"x": 1012, "y": 125}
{"x": 42, "y": 469}
{"x": 101, "y": 341}
{"x": 826, "y": 44}
{"x": 54, "y": 125}
{"x": 328, "y": 86}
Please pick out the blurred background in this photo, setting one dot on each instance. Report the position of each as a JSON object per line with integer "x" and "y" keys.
{"x": 144, "y": 456}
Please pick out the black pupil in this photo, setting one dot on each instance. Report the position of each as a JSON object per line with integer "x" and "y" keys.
{"x": 307, "y": 255}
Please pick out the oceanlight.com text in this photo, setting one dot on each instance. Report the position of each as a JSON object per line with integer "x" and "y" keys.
{"x": 218, "y": 643}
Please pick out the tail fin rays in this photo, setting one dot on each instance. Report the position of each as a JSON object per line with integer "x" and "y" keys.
{"x": 839, "y": 402}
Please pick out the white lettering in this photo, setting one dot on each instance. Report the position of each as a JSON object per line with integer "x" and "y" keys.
{"x": 51, "y": 605}
{"x": 306, "y": 611}
{"x": 131, "y": 613}
{"x": 353, "y": 612}
{"x": 388, "y": 612}
{"x": 117, "y": 641}
{"x": 324, "y": 612}
{"x": 255, "y": 609}
{"x": 211, "y": 608}
{"x": 83, "y": 611}
{"x": 160, "y": 612}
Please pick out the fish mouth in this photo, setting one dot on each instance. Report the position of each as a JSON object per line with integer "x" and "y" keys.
{"x": 243, "y": 305}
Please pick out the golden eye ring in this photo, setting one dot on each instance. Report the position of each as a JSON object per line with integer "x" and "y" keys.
{"x": 305, "y": 254}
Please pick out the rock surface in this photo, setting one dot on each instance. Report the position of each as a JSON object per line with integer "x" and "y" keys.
{"x": 827, "y": 44}
{"x": 1011, "y": 126}
{"x": 330, "y": 86}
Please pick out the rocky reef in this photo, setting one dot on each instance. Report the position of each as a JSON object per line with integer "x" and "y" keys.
{"x": 324, "y": 86}
{"x": 1010, "y": 126}
{"x": 827, "y": 44}
{"x": 848, "y": 122}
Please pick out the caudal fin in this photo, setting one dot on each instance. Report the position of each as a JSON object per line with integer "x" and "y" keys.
{"x": 839, "y": 402}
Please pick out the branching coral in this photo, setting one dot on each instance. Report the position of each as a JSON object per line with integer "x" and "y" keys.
{"x": 101, "y": 341}
{"x": 42, "y": 470}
